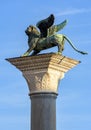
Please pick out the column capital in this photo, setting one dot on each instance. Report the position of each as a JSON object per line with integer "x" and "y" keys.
{"x": 43, "y": 72}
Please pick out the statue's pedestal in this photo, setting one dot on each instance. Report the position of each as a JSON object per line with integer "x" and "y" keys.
{"x": 42, "y": 73}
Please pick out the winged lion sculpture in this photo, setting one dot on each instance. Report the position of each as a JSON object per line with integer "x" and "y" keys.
{"x": 47, "y": 37}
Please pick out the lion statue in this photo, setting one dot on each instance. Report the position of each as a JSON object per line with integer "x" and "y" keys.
{"x": 47, "y": 37}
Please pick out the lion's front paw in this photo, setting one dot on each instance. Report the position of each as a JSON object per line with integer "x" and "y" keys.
{"x": 59, "y": 53}
{"x": 25, "y": 54}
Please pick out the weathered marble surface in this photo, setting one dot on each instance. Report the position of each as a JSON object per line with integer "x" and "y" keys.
{"x": 43, "y": 72}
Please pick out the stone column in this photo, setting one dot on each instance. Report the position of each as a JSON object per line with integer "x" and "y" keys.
{"x": 43, "y": 73}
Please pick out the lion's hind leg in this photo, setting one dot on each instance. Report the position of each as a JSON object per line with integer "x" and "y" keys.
{"x": 59, "y": 41}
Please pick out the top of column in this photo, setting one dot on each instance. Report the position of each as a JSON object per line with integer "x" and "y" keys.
{"x": 42, "y": 72}
{"x": 44, "y": 61}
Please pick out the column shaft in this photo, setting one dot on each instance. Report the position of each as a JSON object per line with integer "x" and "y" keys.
{"x": 43, "y": 111}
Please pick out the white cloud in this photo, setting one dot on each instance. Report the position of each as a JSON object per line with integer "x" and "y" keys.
{"x": 73, "y": 12}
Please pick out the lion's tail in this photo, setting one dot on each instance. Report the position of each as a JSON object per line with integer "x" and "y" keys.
{"x": 69, "y": 41}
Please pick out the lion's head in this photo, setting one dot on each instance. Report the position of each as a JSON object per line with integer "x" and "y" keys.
{"x": 31, "y": 29}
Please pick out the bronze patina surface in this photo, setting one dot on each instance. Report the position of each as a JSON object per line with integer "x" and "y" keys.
{"x": 47, "y": 37}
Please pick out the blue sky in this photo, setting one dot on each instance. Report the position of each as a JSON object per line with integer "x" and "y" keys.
{"x": 74, "y": 99}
